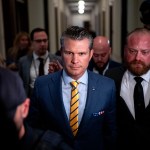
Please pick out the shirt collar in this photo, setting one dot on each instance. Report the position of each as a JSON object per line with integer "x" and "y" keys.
{"x": 35, "y": 56}
{"x": 145, "y": 76}
{"x": 67, "y": 79}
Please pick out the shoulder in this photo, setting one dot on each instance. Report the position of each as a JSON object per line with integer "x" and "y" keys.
{"x": 114, "y": 64}
{"x": 47, "y": 142}
{"x": 115, "y": 73}
{"x": 100, "y": 78}
{"x": 26, "y": 58}
{"x": 55, "y": 57}
{"x": 50, "y": 77}
{"x": 5, "y": 72}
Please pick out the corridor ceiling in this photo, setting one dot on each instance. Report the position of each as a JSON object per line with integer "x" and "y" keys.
{"x": 73, "y": 5}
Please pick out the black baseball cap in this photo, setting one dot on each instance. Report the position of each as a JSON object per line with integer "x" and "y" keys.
{"x": 12, "y": 92}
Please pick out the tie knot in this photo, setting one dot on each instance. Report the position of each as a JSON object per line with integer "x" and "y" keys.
{"x": 74, "y": 83}
{"x": 138, "y": 79}
{"x": 40, "y": 59}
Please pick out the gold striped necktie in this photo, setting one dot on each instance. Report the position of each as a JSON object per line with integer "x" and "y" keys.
{"x": 74, "y": 104}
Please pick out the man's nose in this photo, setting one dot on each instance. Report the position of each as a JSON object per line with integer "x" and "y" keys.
{"x": 138, "y": 55}
{"x": 75, "y": 58}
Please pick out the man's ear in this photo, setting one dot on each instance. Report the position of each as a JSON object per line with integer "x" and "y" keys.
{"x": 110, "y": 51}
{"x": 91, "y": 53}
{"x": 25, "y": 107}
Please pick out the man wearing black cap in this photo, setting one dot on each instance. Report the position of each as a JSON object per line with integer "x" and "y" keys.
{"x": 145, "y": 13}
{"x": 14, "y": 107}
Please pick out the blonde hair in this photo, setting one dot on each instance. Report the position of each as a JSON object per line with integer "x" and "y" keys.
{"x": 14, "y": 50}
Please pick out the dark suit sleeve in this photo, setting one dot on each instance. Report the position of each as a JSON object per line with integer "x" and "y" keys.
{"x": 34, "y": 118}
{"x": 52, "y": 141}
{"x": 110, "y": 124}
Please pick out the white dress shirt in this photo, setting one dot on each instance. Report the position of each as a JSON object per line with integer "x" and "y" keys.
{"x": 34, "y": 70}
{"x": 127, "y": 89}
{"x": 104, "y": 71}
{"x": 66, "y": 91}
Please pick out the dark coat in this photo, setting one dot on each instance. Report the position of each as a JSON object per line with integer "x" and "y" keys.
{"x": 35, "y": 139}
{"x": 24, "y": 69}
{"x": 131, "y": 135}
{"x": 112, "y": 64}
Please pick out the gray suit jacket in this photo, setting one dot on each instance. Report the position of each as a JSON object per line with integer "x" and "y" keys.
{"x": 24, "y": 69}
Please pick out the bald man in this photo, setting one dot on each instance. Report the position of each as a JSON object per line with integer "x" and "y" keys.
{"x": 101, "y": 61}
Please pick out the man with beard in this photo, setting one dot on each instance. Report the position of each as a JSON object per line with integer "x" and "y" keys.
{"x": 133, "y": 132}
{"x": 101, "y": 61}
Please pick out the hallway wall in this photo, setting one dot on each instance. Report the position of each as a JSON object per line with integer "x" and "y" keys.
{"x": 59, "y": 17}
{"x": 36, "y": 14}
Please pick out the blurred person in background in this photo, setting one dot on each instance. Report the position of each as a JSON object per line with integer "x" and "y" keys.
{"x": 21, "y": 47}
{"x": 31, "y": 64}
{"x": 101, "y": 59}
{"x": 14, "y": 107}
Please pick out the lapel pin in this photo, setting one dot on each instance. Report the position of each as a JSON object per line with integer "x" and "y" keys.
{"x": 93, "y": 89}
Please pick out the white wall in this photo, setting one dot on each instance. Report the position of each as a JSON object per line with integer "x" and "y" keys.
{"x": 116, "y": 54}
{"x": 36, "y": 14}
{"x": 52, "y": 26}
{"x": 36, "y": 19}
{"x": 78, "y": 19}
{"x": 133, "y": 15}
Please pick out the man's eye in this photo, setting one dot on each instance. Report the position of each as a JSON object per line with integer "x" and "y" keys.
{"x": 103, "y": 55}
{"x": 82, "y": 54}
{"x": 95, "y": 55}
{"x": 132, "y": 51}
{"x": 145, "y": 52}
{"x": 67, "y": 52}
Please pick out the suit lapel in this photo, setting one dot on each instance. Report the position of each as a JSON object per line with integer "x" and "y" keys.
{"x": 90, "y": 102}
{"x": 122, "y": 106}
{"x": 28, "y": 64}
{"x": 55, "y": 87}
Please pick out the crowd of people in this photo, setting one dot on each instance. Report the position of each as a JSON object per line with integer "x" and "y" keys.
{"x": 80, "y": 99}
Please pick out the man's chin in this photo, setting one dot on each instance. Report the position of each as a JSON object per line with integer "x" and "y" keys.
{"x": 137, "y": 71}
{"x": 100, "y": 65}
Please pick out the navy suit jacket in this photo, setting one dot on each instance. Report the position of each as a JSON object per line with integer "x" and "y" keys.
{"x": 131, "y": 135}
{"x": 112, "y": 64}
{"x": 97, "y": 129}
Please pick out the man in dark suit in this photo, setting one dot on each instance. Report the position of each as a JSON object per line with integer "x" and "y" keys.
{"x": 29, "y": 64}
{"x": 95, "y": 126}
{"x": 101, "y": 60}
{"x": 134, "y": 133}
{"x": 14, "y": 107}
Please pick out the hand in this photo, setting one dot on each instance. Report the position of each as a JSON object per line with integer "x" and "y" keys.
{"x": 54, "y": 66}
